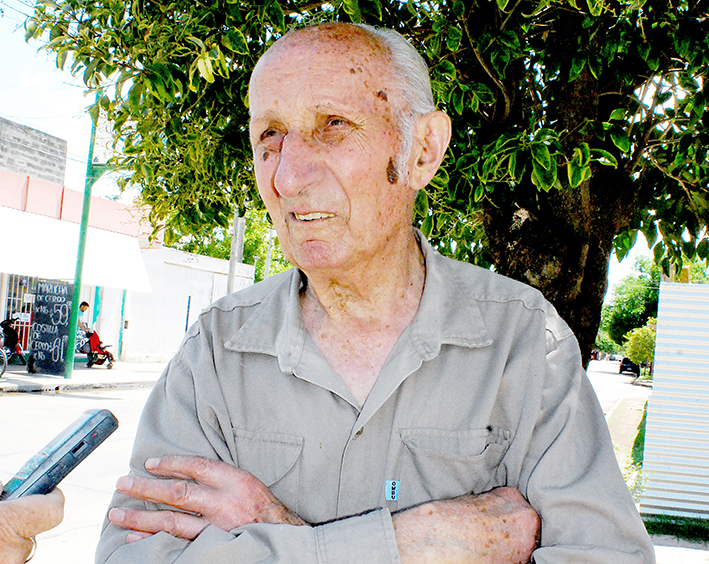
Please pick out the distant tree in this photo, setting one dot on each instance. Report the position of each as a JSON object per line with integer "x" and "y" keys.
{"x": 604, "y": 343}
{"x": 698, "y": 272}
{"x": 216, "y": 242}
{"x": 577, "y": 123}
{"x": 634, "y": 301}
{"x": 640, "y": 347}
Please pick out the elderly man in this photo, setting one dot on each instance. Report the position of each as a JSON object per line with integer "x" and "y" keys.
{"x": 380, "y": 403}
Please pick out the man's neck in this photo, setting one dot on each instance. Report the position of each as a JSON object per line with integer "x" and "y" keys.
{"x": 356, "y": 320}
{"x": 371, "y": 292}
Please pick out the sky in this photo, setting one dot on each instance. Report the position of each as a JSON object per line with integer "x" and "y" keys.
{"x": 34, "y": 93}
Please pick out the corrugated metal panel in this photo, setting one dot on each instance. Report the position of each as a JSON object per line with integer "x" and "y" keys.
{"x": 676, "y": 461}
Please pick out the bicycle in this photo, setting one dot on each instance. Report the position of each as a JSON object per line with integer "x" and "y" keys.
{"x": 3, "y": 357}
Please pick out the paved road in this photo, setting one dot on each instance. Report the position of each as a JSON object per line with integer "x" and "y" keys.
{"x": 29, "y": 421}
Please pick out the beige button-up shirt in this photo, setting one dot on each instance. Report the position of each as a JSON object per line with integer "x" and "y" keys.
{"x": 484, "y": 389}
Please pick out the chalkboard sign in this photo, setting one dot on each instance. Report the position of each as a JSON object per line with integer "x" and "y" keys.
{"x": 50, "y": 325}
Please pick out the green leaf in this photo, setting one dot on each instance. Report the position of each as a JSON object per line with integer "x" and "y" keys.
{"x": 454, "y": 37}
{"x": 446, "y": 68}
{"x": 618, "y": 113}
{"x": 421, "y": 204}
{"x": 427, "y": 226}
{"x": 658, "y": 251}
{"x": 502, "y": 4}
{"x": 577, "y": 65}
{"x": 458, "y": 9}
{"x": 275, "y": 14}
{"x": 204, "y": 64}
{"x": 540, "y": 154}
{"x": 352, "y": 10}
{"x": 236, "y": 41}
{"x": 595, "y": 65}
{"x": 198, "y": 42}
{"x": 595, "y": 7}
{"x": 134, "y": 96}
{"x": 620, "y": 140}
{"x": 94, "y": 111}
{"x": 512, "y": 165}
{"x": 543, "y": 178}
{"x": 577, "y": 173}
{"x": 603, "y": 157}
{"x": 703, "y": 249}
{"x": 689, "y": 249}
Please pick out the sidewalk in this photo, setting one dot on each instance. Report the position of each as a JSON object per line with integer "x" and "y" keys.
{"x": 623, "y": 419}
{"x": 122, "y": 375}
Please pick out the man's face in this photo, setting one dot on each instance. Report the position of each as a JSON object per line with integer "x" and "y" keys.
{"x": 325, "y": 143}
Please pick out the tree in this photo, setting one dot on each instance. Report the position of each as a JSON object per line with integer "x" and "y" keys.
{"x": 577, "y": 123}
{"x": 216, "y": 242}
{"x": 634, "y": 301}
{"x": 604, "y": 343}
{"x": 641, "y": 343}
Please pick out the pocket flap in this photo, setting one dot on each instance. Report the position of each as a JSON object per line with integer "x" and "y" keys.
{"x": 268, "y": 456}
{"x": 462, "y": 444}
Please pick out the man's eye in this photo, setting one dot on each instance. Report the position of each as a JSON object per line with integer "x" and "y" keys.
{"x": 268, "y": 133}
{"x": 336, "y": 122}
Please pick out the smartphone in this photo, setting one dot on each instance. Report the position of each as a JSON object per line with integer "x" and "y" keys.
{"x": 41, "y": 473}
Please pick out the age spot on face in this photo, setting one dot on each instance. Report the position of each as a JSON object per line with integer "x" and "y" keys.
{"x": 392, "y": 174}
{"x": 265, "y": 155}
{"x": 382, "y": 95}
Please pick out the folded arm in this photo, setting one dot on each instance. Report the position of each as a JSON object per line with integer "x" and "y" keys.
{"x": 495, "y": 527}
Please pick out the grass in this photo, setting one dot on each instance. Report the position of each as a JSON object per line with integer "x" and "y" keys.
{"x": 696, "y": 530}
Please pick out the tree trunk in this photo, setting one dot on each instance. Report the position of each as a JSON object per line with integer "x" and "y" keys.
{"x": 566, "y": 261}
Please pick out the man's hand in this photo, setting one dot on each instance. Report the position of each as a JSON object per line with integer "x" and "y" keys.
{"x": 26, "y": 517}
{"x": 497, "y": 527}
{"x": 211, "y": 492}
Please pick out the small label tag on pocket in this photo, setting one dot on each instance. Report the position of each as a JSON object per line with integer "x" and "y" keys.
{"x": 392, "y": 490}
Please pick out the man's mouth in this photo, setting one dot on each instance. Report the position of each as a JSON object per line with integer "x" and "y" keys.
{"x": 313, "y": 216}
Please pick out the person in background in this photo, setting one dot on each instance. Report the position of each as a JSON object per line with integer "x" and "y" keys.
{"x": 83, "y": 322}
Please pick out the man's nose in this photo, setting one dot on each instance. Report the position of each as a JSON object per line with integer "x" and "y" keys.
{"x": 298, "y": 166}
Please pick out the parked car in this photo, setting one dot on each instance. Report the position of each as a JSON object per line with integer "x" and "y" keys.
{"x": 627, "y": 365}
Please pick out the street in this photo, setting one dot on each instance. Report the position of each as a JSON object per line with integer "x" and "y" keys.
{"x": 30, "y": 421}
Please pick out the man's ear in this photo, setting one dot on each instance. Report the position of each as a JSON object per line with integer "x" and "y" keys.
{"x": 432, "y": 133}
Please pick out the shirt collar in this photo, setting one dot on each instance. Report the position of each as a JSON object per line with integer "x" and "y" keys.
{"x": 447, "y": 315}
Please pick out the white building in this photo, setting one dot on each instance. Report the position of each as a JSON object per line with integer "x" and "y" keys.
{"x": 142, "y": 295}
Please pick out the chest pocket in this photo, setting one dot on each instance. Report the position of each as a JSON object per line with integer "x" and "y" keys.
{"x": 273, "y": 458}
{"x": 440, "y": 464}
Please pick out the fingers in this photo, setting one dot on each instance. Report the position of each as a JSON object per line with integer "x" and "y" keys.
{"x": 33, "y": 514}
{"x": 146, "y": 523}
{"x": 203, "y": 470}
{"x": 181, "y": 494}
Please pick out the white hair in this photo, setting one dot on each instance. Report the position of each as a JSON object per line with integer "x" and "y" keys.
{"x": 413, "y": 83}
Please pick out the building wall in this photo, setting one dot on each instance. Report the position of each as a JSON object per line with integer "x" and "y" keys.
{"x": 30, "y": 152}
{"x": 676, "y": 459}
{"x": 183, "y": 284}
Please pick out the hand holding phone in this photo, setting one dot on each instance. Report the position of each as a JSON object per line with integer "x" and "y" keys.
{"x": 41, "y": 473}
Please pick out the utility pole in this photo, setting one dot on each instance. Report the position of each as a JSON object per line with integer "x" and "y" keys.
{"x": 236, "y": 255}
{"x": 93, "y": 173}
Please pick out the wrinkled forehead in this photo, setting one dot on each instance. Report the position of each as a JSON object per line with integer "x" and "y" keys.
{"x": 354, "y": 46}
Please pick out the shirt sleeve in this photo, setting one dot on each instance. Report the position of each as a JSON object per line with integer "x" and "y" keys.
{"x": 571, "y": 476}
{"x": 176, "y": 421}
